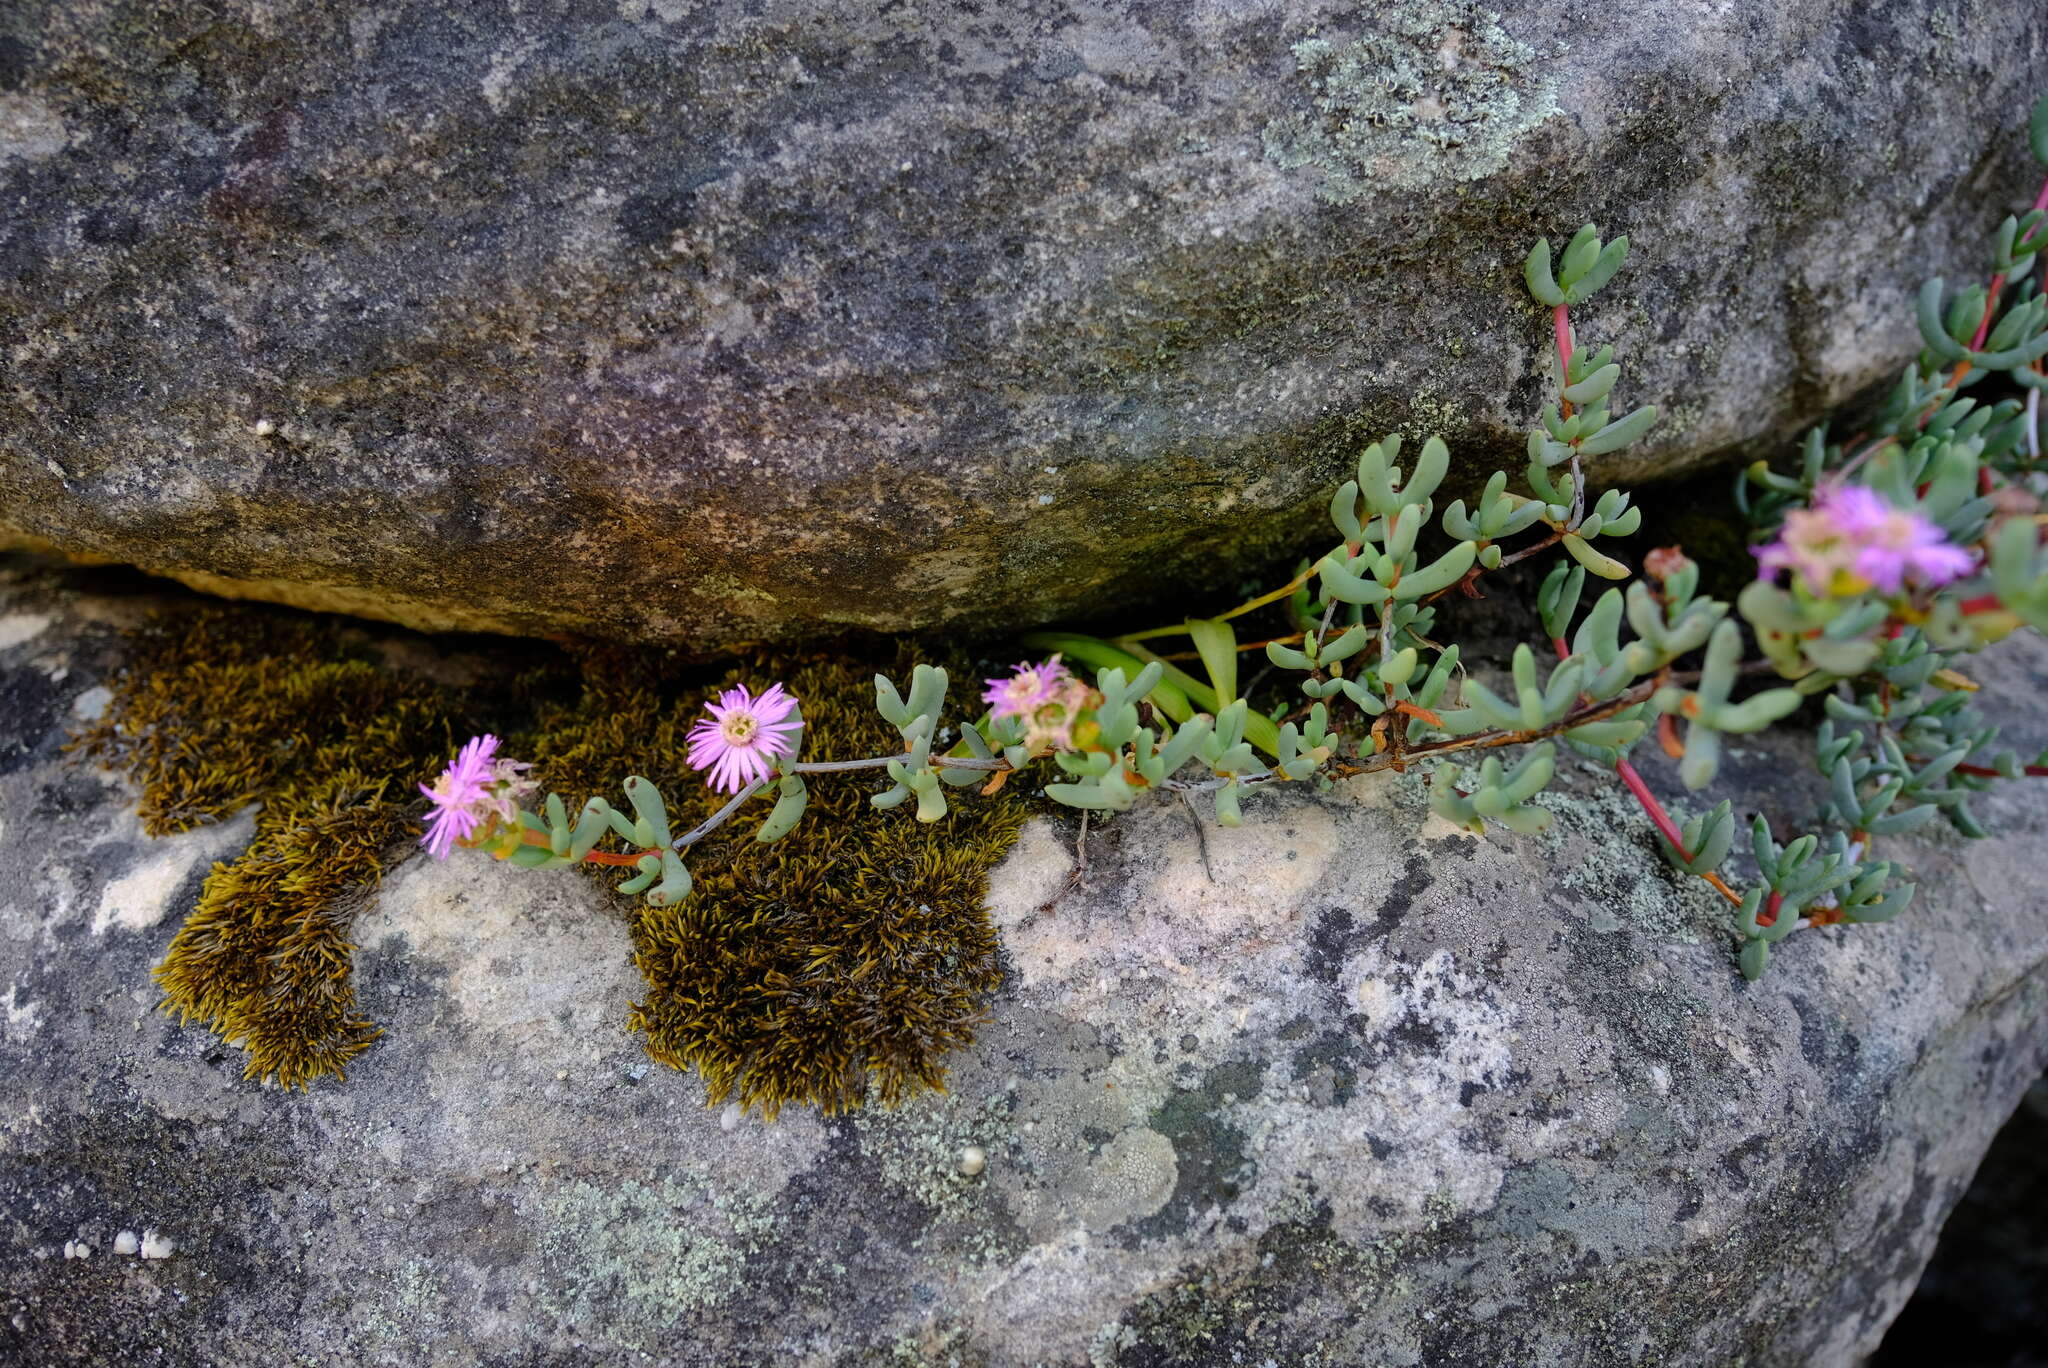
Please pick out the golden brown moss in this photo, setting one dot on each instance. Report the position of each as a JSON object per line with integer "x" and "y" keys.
{"x": 841, "y": 963}
{"x": 218, "y": 710}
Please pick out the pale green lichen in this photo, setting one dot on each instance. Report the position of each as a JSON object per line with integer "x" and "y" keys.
{"x": 918, "y": 1146}
{"x": 1617, "y": 889}
{"x": 1432, "y": 92}
{"x": 641, "y": 1257}
{"x": 411, "y": 1308}
{"x": 943, "y": 1345}
{"x": 1432, "y": 413}
{"x": 1111, "y": 1339}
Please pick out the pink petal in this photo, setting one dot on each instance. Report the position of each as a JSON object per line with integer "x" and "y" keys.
{"x": 774, "y": 705}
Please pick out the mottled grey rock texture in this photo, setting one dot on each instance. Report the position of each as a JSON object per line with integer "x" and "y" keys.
{"x": 1990, "y": 1271}
{"x": 1340, "y": 1087}
{"x": 712, "y": 321}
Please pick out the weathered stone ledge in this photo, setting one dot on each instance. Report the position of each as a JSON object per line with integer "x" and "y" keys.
{"x": 1338, "y": 1087}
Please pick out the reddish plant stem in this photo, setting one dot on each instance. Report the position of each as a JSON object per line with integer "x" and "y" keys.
{"x": 1977, "y": 340}
{"x": 1490, "y": 740}
{"x": 1553, "y": 539}
{"x": 1850, "y": 466}
{"x": 1659, "y": 818}
{"x": 1986, "y": 772}
{"x": 624, "y": 859}
{"x": 1667, "y": 828}
{"x": 1990, "y": 307}
{"x": 1654, "y": 809}
{"x": 1561, "y": 327}
{"x": 1769, "y": 916}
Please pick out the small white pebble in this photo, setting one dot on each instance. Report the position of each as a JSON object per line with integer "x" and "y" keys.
{"x": 264, "y": 427}
{"x": 92, "y": 704}
{"x": 126, "y": 1243}
{"x": 77, "y": 1249}
{"x": 729, "y": 1119}
{"x": 561, "y": 1075}
{"x": 973, "y": 1160}
{"x": 1044, "y": 499}
{"x": 155, "y": 1246}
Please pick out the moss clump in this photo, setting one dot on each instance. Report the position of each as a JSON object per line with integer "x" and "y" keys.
{"x": 218, "y": 710}
{"x": 841, "y": 963}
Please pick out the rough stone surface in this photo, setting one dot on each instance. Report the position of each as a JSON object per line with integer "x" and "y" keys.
{"x": 1990, "y": 1271}
{"x": 709, "y": 321}
{"x": 1340, "y": 1087}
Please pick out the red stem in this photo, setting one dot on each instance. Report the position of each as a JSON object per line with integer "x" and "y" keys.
{"x": 1561, "y": 326}
{"x": 1985, "y": 771}
{"x": 1990, "y": 307}
{"x": 1984, "y": 324}
{"x": 623, "y": 859}
{"x": 1660, "y": 818}
{"x": 1655, "y": 810}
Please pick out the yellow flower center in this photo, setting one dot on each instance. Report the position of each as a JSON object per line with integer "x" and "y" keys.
{"x": 738, "y": 728}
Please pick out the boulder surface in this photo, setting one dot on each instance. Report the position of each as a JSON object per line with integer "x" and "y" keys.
{"x": 1342, "y": 1086}
{"x": 704, "y": 321}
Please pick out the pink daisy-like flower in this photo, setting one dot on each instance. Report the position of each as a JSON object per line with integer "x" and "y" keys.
{"x": 511, "y": 786}
{"x": 465, "y": 796}
{"x": 1050, "y": 726}
{"x": 1027, "y": 690}
{"x": 1046, "y": 698}
{"x": 741, "y": 739}
{"x": 1852, "y": 540}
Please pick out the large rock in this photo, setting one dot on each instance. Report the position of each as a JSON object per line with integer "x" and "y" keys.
{"x": 1340, "y": 1087}
{"x": 711, "y": 321}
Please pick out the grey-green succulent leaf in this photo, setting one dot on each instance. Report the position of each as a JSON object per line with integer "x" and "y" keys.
{"x": 1536, "y": 273}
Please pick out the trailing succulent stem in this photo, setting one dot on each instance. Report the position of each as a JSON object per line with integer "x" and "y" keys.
{"x": 1889, "y": 555}
{"x": 843, "y": 968}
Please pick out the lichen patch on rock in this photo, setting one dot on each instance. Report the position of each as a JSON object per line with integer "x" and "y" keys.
{"x": 1397, "y": 1098}
{"x": 1431, "y": 90}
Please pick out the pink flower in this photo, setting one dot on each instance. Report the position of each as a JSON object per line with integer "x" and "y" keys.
{"x": 1852, "y": 540}
{"x": 739, "y": 742}
{"x": 1046, "y": 698}
{"x": 1051, "y": 725}
{"x": 1030, "y": 688}
{"x": 466, "y": 796}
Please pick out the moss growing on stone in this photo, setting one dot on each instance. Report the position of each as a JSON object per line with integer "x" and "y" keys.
{"x": 218, "y": 710}
{"x": 838, "y": 965}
